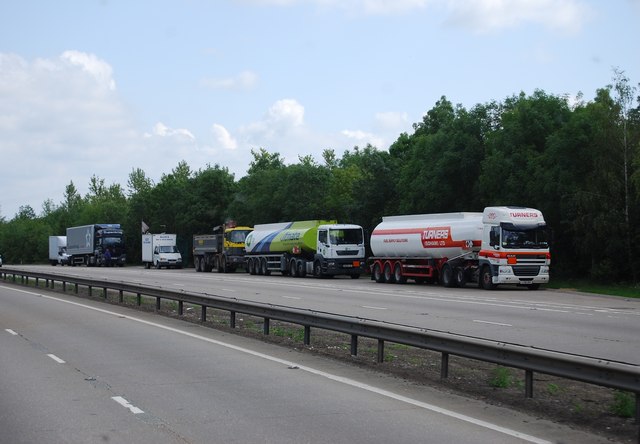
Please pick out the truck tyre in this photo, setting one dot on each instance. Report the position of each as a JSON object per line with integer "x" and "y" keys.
{"x": 293, "y": 269}
{"x": 301, "y": 268}
{"x": 377, "y": 273}
{"x": 317, "y": 269}
{"x": 486, "y": 279}
{"x": 223, "y": 264}
{"x": 460, "y": 277}
{"x": 264, "y": 266}
{"x": 388, "y": 273}
{"x": 397, "y": 273}
{"x": 447, "y": 278}
{"x": 157, "y": 265}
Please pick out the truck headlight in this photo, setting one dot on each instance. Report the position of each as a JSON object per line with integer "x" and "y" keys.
{"x": 544, "y": 270}
{"x": 505, "y": 270}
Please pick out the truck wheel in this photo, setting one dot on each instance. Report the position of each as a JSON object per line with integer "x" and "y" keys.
{"x": 301, "y": 268}
{"x": 388, "y": 273}
{"x": 485, "y": 278}
{"x": 317, "y": 269}
{"x": 397, "y": 273}
{"x": 293, "y": 270}
{"x": 460, "y": 277}
{"x": 377, "y": 273}
{"x": 447, "y": 276}
{"x": 157, "y": 265}
{"x": 147, "y": 265}
{"x": 223, "y": 265}
{"x": 196, "y": 264}
{"x": 264, "y": 266}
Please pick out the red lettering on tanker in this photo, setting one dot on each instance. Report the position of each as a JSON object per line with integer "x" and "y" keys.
{"x": 436, "y": 237}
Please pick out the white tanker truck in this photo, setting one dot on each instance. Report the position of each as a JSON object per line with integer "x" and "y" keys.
{"x": 502, "y": 245}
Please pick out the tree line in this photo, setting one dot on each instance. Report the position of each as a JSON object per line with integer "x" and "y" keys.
{"x": 577, "y": 161}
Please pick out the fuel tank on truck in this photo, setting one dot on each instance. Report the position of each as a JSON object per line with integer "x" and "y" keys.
{"x": 427, "y": 235}
{"x": 284, "y": 237}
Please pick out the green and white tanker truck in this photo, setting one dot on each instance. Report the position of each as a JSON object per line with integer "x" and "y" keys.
{"x": 318, "y": 247}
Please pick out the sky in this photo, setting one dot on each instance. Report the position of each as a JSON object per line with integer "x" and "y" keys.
{"x": 104, "y": 87}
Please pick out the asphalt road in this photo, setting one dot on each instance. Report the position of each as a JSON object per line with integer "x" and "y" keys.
{"x": 79, "y": 371}
{"x": 590, "y": 325}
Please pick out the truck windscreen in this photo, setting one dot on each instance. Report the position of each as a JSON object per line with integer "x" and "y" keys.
{"x": 534, "y": 238}
{"x": 351, "y": 236}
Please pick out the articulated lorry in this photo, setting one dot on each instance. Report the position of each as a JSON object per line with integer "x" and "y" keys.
{"x": 223, "y": 250}
{"x": 159, "y": 250}
{"x": 96, "y": 245}
{"x": 321, "y": 248}
{"x": 501, "y": 245}
{"x": 58, "y": 250}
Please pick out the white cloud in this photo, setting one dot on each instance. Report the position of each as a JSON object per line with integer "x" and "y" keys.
{"x": 223, "y": 137}
{"x": 99, "y": 70}
{"x": 361, "y": 138}
{"x": 162, "y": 130}
{"x": 492, "y": 15}
{"x": 243, "y": 81}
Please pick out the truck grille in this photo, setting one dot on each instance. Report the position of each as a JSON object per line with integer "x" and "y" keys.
{"x": 526, "y": 270}
{"x": 347, "y": 252}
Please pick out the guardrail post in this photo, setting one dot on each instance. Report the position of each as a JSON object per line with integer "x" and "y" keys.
{"x": 64, "y": 286}
{"x": 90, "y": 290}
{"x": 380, "y": 350}
{"x": 138, "y": 299}
{"x": 203, "y": 314}
{"x": 528, "y": 384}
{"x": 158, "y": 299}
{"x": 354, "y": 345}
{"x": 265, "y": 328}
{"x": 307, "y": 335}
{"x": 444, "y": 366}
{"x": 232, "y": 319}
{"x": 121, "y": 296}
{"x": 76, "y": 288}
{"x": 180, "y": 308}
{"x": 46, "y": 282}
{"x": 104, "y": 292}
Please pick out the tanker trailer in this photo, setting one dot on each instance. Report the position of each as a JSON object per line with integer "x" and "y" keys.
{"x": 501, "y": 245}
{"x": 318, "y": 247}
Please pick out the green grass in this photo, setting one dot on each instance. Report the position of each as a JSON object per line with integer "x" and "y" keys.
{"x": 624, "y": 404}
{"x": 501, "y": 377}
{"x": 622, "y": 290}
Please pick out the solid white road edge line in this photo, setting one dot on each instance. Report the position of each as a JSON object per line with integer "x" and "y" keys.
{"x": 8, "y": 330}
{"x": 492, "y": 323}
{"x": 343, "y": 380}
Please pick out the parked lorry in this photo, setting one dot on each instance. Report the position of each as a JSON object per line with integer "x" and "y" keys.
{"x": 96, "y": 245}
{"x": 501, "y": 245}
{"x": 321, "y": 248}
{"x": 223, "y": 250}
{"x": 160, "y": 250}
{"x": 58, "y": 250}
